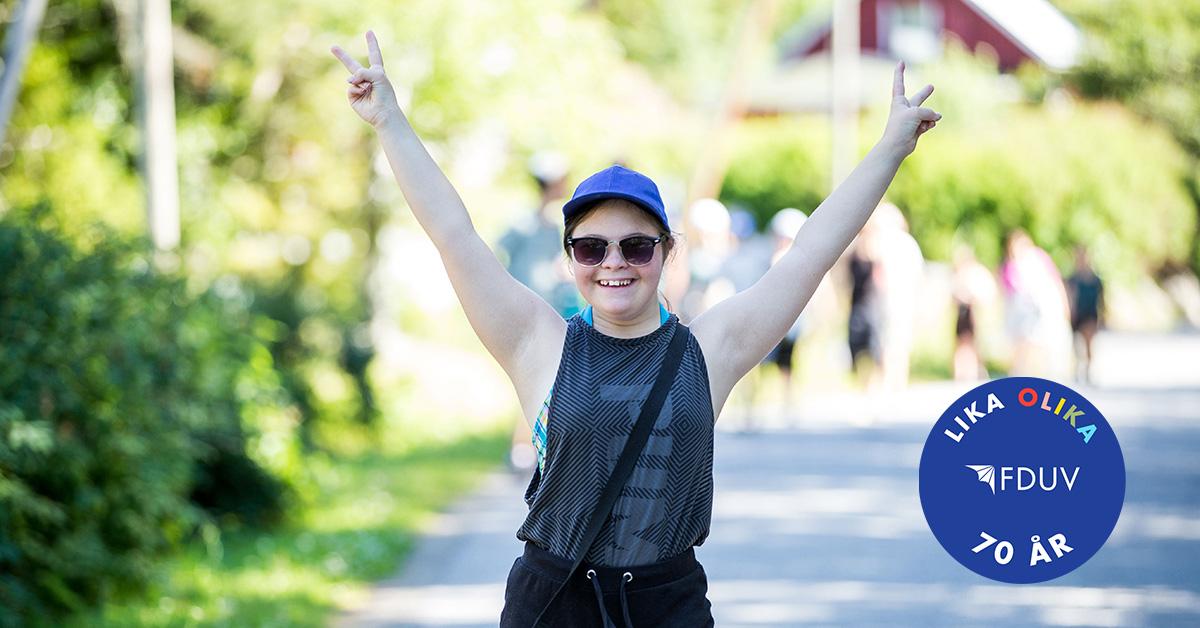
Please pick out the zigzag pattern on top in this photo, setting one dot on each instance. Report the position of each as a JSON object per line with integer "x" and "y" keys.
{"x": 666, "y": 506}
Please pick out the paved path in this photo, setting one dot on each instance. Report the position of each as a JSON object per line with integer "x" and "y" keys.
{"x": 818, "y": 522}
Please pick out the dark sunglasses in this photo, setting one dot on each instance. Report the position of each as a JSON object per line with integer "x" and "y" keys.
{"x": 638, "y": 250}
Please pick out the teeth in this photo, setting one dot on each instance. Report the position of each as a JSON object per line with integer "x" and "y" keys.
{"x": 624, "y": 282}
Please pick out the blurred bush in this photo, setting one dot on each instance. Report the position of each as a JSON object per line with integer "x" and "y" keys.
{"x": 122, "y": 406}
{"x": 1145, "y": 54}
{"x": 1086, "y": 174}
{"x": 777, "y": 163}
{"x": 1067, "y": 172}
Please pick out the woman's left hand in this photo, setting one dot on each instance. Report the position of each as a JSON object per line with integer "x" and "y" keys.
{"x": 908, "y": 119}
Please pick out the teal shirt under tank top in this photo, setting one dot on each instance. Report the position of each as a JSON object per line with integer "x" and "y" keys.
{"x": 663, "y": 315}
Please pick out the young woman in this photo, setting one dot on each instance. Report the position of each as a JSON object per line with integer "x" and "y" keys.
{"x": 581, "y": 382}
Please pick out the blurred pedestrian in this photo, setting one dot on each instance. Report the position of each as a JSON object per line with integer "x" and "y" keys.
{"x": 754, "y": 254}
{"x": 972, "y": 287}
{"x": 1037, "y": 314}
{"x": 1086, "y": 293}
{"x": 900, "y": 271}
{"x": 784, "y": 226}
{"x": 863, "y": 327}
{"x": 530, "y": 247}
{"x": 711, "y": 247}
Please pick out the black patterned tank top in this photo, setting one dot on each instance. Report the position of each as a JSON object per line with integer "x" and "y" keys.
{"x": 666, "y": 506}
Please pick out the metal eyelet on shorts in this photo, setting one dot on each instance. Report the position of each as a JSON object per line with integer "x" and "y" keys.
{"x": 590, "y": 573}
{"x": 628, "y": 576}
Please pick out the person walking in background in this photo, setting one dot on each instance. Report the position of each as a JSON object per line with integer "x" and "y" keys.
{"x": 863, "y": 326}
{"x": 714, "y": 244}
{"x": 601, "y": 364}
{"x": 1086, "y": 293}
{"x": 972, "y": 286}
{"x": 529, "y": 250}
{"x": 752, "y": 251}
{"x": 1036, "y": 309}
{"x": 754, "y": 254}
{"x": 529, "y": 247}
{"x": 899, "y": 273}
{"x": 784, "y": 226}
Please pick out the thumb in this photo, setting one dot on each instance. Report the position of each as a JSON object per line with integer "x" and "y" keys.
{"x": 927, "y": 114}
{"x": 365, "y": 74}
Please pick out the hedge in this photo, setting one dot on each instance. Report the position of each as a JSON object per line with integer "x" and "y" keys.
{"x": 121, "y": 417}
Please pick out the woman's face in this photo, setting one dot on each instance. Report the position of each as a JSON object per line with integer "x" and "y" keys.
{"x": 615, "y": 220}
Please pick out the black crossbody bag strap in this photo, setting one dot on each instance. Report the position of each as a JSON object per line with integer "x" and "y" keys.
{"x": 629, "y": 455}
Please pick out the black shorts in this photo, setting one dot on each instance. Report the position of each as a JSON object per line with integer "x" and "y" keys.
{"x": 669, "y": 593}
{"x": 863, "y": 334}
{"x": 964, "y": 323}
{"x": 1080, "y": 319}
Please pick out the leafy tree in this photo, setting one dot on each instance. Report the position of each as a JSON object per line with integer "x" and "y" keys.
{"x": 1146, "y": 55}
{"x": 1067, "y": 172}
{"x": 120, "y": 398}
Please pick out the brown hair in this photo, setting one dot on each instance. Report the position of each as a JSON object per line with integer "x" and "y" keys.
{"x": 574, "y": 219}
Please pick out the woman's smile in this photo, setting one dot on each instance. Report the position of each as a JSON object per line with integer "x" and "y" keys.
{"x": 616, "y": 284}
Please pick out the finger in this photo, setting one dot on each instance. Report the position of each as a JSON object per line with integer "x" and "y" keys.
{"x": 373, "y": 53}
{"x": 346, "y": 59}
{"x": 920, "y": 96}
{"x": 898, "y": 81}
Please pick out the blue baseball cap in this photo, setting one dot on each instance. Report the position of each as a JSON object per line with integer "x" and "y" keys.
{"x": 618, "y": 182}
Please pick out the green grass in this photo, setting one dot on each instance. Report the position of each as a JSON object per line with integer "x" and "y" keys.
{"x": 362, "y": 513}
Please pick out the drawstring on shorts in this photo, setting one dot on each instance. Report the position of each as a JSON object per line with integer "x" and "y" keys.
{"x": 625, "y": 577}
{"x": 609, "y": 580}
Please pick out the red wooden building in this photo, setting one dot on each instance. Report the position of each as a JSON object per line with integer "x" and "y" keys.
{"x": 1017, "y": 30}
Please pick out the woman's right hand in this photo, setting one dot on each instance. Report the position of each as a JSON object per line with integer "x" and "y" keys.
{"x": 370, "y": 93}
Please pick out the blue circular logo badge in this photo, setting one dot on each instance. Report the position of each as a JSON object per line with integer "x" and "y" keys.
{"x": 1022, "y": 480}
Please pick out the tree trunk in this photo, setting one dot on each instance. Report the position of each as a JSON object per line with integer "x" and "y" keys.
{"x": 21, "y": 36}
{"x": 145, "y": 31}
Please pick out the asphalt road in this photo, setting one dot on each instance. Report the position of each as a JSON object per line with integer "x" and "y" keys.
{"x": 817, "y": 520}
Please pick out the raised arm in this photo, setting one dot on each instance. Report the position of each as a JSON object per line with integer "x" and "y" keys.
{"x": 507, "y": 316}
{"x": 744, "y": 327}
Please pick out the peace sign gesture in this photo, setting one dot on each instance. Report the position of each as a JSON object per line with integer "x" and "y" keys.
{"x": 908, "y": 119}
{"x": 370, "y": 93}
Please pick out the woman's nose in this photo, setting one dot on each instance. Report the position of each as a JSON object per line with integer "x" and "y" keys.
{"x": 613, "y": 257}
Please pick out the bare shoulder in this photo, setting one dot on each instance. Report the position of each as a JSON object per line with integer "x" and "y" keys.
{"x": 712, "y": 337}
{"x": 705, "y": 332}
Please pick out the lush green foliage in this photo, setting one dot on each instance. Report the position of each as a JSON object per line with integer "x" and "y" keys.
{"x": 778, "y": 163}
{"x": 689, "y": 45}
{"x": 1084, "y": 174}
{"x": 364, "y": 512}
{"x": 1066, "y": 172}
{"x": 120, "y": 397}
{"x": 1145, "y": 54}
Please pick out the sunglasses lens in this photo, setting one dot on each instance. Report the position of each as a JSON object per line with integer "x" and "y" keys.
{"x": 638, "y": 251}
{"x": 589, "y": 251}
